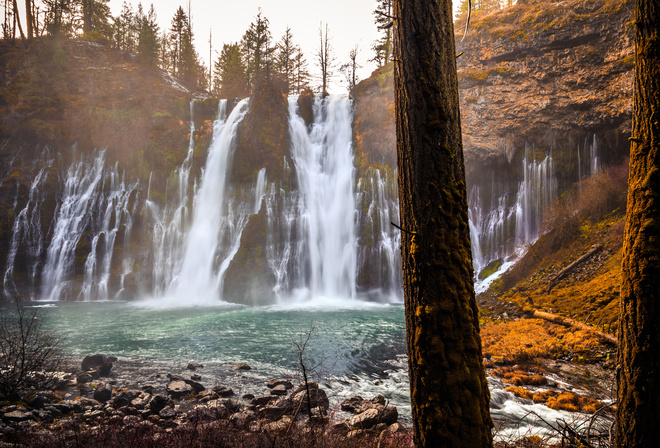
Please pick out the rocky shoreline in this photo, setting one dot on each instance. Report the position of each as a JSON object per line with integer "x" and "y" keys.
{"x": 94, "y": 396}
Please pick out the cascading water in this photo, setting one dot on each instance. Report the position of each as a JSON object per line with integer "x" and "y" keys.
{"x": 27, "y": 230}
{"x": 326, "y": 176}
{"x": 500, "y": 230}
{"x": 379, "y": 241}
{"x": 214, "y": 233}
{"x": 94, "y": 203}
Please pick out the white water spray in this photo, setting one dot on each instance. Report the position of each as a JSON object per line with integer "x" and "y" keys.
{"x": 324, "y": 165}
{"x": 198, "y": 280}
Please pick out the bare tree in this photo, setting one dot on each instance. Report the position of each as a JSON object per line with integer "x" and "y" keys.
{"x": 29, "y": 353}
{"x": 325, "y": 58}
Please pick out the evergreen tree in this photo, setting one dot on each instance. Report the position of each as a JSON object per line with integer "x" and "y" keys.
{"x": 229, "y": 79}
{"x": 256, "y": 48}
{"x": 148, "y": 41}
{"x": 301, "y": 74}
{"x": 448, "y": 388}
{"x": 59, "y": 17}
{"x": 177, "y": 31}
{"x": 190, "y": 70}
{"x": 122, "y": 37}
{"x": 383, "y": 19}
{"x": 350, "y": 69}
{"x": 285, "y": 58}
{"x": 95, "y": 16}
{"x": 638, "y": 374}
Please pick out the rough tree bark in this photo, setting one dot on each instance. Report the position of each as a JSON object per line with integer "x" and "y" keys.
{"x": 638, "y": 374}
{"x": 448, "y": 387}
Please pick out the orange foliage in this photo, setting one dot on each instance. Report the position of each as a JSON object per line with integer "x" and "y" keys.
{"x": 527, "y": 339}
{"x": 520, "y": 392}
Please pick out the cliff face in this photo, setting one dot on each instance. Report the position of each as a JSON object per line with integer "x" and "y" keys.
{"x": 62, "y": 101}
{"x": 541, "y": 72}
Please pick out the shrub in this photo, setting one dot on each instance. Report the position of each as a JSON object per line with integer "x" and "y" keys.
{"x": 29, "y": 353}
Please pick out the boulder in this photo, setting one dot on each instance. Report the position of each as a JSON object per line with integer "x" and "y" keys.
{"x": 318, "y": 397}
{"x": 278, "y": 390}
{"x": 102, "y": 393}
{"x": 262, "y": 401}
{"x": 18, "y": 416}
{"x": 279, "y": 382}
{"x": 99, "y": 364}
{"x": 241, "y": 366}
{"x": 387, "y": 415}
{"x": 223, "y": 391}
{"x": 194, "y": 366}
{"x": 197, "y": 387}
{"x": 84, "y": 378}
{"x": 275, "y": 409}
{"x": 158, "y": 403}
{"x": 357, "y": 404}
{"x": 243, "y": 419}
{"x": 167, "y": 412}
{"x": 178, "y": 389}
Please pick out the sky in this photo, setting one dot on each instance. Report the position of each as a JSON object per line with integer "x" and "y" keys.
{"x": 350, "y": 22}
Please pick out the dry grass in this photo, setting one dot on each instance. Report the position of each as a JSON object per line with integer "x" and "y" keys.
{"x": 529, "y": 339}
{"x": 517, "y": 377}
{"x": 219, "y": 434}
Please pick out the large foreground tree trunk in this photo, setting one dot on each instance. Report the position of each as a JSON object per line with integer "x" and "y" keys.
{"x": 638, "y": 375}
{"x": 448, "y": 387}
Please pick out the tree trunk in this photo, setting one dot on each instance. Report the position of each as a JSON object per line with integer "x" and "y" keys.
{"x": 28, "y": 19}
{"x": 448, "y": 388}
{"x": 17, "y": 19}
{"x": 638, "y": 374}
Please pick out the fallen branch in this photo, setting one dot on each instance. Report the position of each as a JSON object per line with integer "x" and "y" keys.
{"x": 567, "y": 322}
{"x": 564, "y": 272}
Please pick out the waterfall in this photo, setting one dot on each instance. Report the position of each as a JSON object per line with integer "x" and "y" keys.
{"x": 379, "y": 256}
{"x": 501, "y": 228}
{"x": 94, "y": 205}
{"x": 214, "y": 233}
{"x": 168, "y": 223}
{"x": 27, "y": 230}
{"x": 324, "y": 165}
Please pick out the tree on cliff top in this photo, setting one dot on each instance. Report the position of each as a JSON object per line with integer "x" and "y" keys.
{"x": 229, "y": 73}
{"x": 325, "y": 58}
{"x": 448, "y": 388}
{"x": 638, "y": 373}
{"x": 256, "y": 48}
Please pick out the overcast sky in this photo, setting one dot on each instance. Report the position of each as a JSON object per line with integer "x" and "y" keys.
{"x": 350, "y": 22}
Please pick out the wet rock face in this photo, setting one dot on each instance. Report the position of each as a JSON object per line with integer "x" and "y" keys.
{"x": 528, "y": 75}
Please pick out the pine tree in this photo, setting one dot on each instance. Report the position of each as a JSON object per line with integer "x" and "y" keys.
{"x": 229, "y": 79}
{"x": 256, "y": 48}
{"x": 350, "y": 69}
{"x": 285, "y": 58}
{"x": 300, "y": 72}
{"x": 148, "y": 42}
{"x": 59, "y": 17}
{"x": 177, "y": 31}
{"x": 383, "y": 19}
{"x": 95, "y": 16}
{"x": 448, "y": 388}
{"x": 121, "y": 29}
